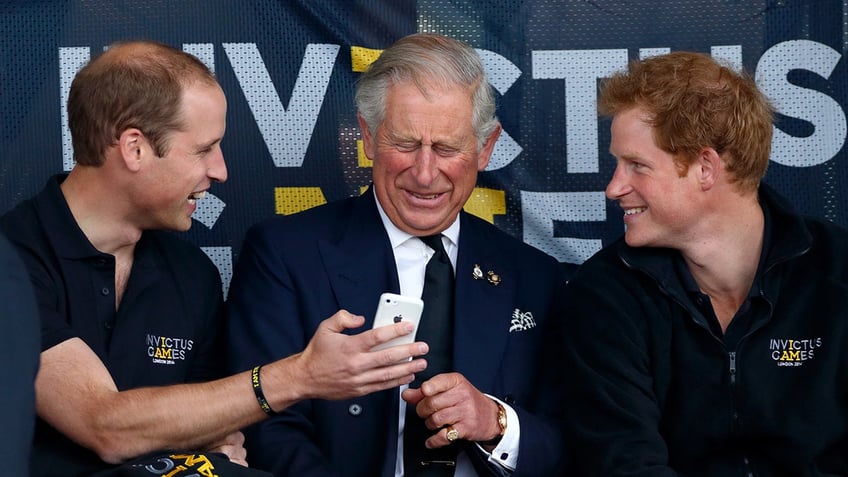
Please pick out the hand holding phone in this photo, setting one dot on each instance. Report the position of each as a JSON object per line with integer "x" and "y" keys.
{"x": 394, "y": 308}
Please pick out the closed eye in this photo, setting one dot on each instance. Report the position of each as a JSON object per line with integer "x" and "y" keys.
{"x": 407, "y": 146}
{"x": 446, "y": 151}
{"x": 207, "y": 149}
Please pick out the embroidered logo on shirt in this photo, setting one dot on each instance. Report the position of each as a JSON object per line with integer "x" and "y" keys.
{"x": 792, "y": 352}
{"x": 521, "y": 321}
{"x": 166, "y": 350}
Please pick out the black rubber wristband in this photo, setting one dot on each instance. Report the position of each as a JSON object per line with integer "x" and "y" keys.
{"x": 260, "y": 396}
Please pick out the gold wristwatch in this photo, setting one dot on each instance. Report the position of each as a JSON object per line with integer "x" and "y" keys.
{"x": 501, "y": 418}
{"x": 501, "y": 426}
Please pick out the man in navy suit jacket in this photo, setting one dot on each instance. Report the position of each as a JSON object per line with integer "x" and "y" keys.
{"x": 19, "y": 355}
{"x": 427, "y": 117}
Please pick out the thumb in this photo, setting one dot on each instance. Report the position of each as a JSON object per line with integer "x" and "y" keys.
{"x": 412, "y": 396}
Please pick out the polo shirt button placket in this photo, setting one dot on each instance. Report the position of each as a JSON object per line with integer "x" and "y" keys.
{"x": 106, "y": 292}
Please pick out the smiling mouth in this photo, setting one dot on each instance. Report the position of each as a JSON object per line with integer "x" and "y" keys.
{"x": 635, "y": 210}
{"x": 425, "y": 197}
{"x": 194, "y": 196}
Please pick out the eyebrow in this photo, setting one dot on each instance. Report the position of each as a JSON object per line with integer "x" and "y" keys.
{"x": 398, "y": 136}
{"x": 627, "y": 156}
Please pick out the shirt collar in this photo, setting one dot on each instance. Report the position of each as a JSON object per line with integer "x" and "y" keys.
{"x": 56, "y": 215}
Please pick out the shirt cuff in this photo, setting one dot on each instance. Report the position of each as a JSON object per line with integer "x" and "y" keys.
{"x": 505, "y": 454}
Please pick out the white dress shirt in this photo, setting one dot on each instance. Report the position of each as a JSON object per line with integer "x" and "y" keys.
{"x": 411, "y": 257}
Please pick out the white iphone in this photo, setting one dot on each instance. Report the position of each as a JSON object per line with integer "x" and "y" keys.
{"x": 394, "y": 308}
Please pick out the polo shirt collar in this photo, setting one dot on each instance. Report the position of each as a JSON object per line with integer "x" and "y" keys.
{"x": 69, "y": 241}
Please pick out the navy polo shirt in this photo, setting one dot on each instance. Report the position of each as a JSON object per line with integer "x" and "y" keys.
{"x": 166, "y": 330}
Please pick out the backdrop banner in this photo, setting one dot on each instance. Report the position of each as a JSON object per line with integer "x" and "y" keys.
{"x": 289, "y": 69}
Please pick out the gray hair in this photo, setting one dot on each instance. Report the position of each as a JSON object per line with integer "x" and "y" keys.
{"x": 427, "y": 60}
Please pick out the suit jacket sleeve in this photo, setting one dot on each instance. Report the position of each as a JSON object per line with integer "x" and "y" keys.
{"x": 19, "y": 355}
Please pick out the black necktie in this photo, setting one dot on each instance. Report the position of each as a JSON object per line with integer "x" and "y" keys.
{"x": 436, "y": 329}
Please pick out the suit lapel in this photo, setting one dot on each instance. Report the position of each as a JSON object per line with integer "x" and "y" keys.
{"x": 360, "y": 265}
{"x": 483, "y": 310}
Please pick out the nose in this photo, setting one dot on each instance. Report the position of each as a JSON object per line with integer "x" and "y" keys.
{"x": 425, "y": 169}
{"x": 217, "y": 168}
{"x": 618, "y": 186}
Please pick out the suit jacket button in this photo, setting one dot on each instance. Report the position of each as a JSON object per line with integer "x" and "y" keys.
{"x": 354, "y": 410}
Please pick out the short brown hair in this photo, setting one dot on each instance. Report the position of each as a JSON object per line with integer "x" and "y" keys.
{"x": 135, "y": 84}
{"x": 694, "y": 102}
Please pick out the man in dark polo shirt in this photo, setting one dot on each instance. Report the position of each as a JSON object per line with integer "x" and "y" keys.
{"x": 131, "y": 314}
{"x": 709, "y": 341}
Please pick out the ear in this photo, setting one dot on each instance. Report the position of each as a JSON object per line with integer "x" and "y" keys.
{"x": 709, "y": 167}
{"x": 131, "y": 147}
{"x": 486, "y": 151}
{"x": 367, "y": 138}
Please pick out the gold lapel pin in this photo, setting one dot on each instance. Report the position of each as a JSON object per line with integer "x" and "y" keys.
{"x": 494, "y": 278}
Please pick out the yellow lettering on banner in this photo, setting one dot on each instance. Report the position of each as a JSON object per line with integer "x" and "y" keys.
{"x": 486, "y": 203}
{"x": 361, "y": 159}
{"x": 290, "y": 200}
{"x": 361, "y": 58}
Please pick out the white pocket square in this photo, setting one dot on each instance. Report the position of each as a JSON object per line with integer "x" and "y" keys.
{"x": 521, "y": 321}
